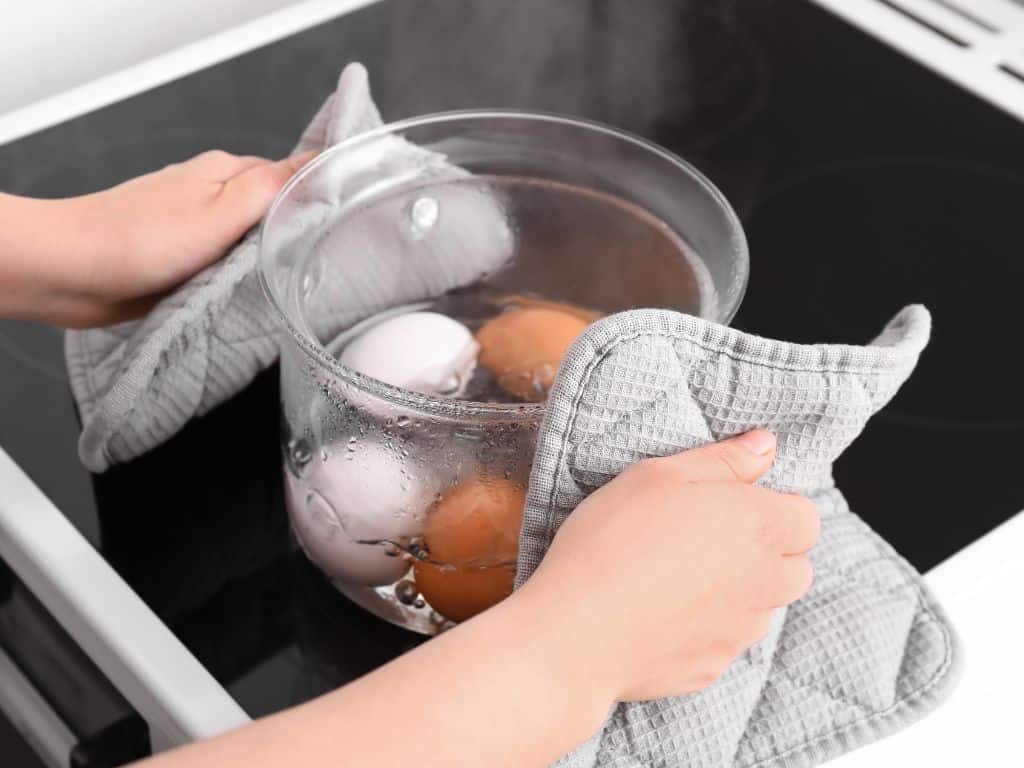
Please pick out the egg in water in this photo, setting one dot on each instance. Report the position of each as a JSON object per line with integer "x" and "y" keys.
{"x": 472, "y": 538}
{"x": 425, "y": 352}
{"x": 352, "y": 515}
{"x": 523, "y": 348}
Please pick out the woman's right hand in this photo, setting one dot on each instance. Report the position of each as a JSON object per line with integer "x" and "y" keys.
{"x": 675, "y": 567}
{"x": 653, "y": 585}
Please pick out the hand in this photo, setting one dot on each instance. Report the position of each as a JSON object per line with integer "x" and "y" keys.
{"x": 651, "y": 587}
{"x": 675, "y": 567}
{"x": 109, "y": 256}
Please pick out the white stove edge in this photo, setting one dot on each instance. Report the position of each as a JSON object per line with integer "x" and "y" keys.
{"x": 139, "y": 654}
{"x": 171, "y": 66}
{"x": 991, "y": 33}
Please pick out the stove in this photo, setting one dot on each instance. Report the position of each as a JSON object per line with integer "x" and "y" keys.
{"x": 865, "y": 181}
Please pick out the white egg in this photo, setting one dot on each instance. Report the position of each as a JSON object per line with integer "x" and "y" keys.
{"x": 425, "y": 352}
{"x": 341, "y": 506}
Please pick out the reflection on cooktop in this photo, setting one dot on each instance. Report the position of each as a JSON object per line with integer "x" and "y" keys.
{"x": 848, "y": 245}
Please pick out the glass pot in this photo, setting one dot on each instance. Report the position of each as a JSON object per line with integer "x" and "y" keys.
{"x": 410, "y": 503}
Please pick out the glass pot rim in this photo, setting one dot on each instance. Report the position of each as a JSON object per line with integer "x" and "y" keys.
{"x": 446, "y": 406}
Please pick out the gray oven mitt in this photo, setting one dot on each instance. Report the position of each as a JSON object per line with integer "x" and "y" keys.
{"x": 138, "y": 383}
{"x": 867, "y": 650}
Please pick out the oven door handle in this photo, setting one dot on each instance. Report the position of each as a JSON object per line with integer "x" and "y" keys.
{"x": 44, "y": 730}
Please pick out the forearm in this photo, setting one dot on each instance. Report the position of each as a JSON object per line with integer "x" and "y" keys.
{"x": 508, "y": 688}
{"x": 42, "y": 257}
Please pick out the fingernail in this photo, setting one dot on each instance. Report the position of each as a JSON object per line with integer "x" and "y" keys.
{"x": 759, "y": 441}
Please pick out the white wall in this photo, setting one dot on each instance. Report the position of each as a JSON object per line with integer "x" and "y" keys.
{"x": 49, "y": 46}
{"x": 62, "y": 58}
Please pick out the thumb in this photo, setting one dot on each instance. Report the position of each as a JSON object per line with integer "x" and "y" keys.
{"x": 744, "y": 458}
{"x": 247, "y": 196}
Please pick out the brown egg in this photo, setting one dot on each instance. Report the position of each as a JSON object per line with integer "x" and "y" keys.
{"x": 524, "y": 347}
{"x": 462, "y": 593}
{"x": 473, "y": 540}
{"x": 519, "y": 300}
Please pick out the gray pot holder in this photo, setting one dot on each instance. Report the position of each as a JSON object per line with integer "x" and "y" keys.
{"x": 867, "y": 651}
{"x": 136, "y": 384}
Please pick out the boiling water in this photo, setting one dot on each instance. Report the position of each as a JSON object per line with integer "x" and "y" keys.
{"x": 370, "y": 478}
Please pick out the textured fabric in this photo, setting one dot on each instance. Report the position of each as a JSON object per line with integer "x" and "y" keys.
{"x": 138, "y": 383}
{"x": 867, "y": 650}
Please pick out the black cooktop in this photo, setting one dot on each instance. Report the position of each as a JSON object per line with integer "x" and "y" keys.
{"x": 865, "y": 183}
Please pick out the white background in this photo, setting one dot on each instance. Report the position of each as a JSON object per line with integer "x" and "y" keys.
{"x": 49, "y": 46}
{"x": 63, "y": 58}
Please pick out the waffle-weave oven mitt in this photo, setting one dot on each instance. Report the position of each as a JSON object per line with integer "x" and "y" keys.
{"x": 867, "y": 650}
{"x": 138, "y": 383}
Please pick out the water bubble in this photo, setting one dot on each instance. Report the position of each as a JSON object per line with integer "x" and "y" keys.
{"x": 407, "y": 593}
{"x": 417, "y": 550}
{"x": 424, "y": 214}
{"x": 298, "y": 455}
{"x": 352, "y": 442}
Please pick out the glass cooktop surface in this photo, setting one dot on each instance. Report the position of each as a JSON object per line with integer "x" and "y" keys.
{"x": 864, "y": 181}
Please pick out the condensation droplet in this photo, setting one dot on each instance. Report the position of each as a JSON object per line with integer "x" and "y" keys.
{"x": 424, "y": 214}
{"x": 403, "y": 421}
{"x": 299, "y": 454}
{"x": 407, "y": 593}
